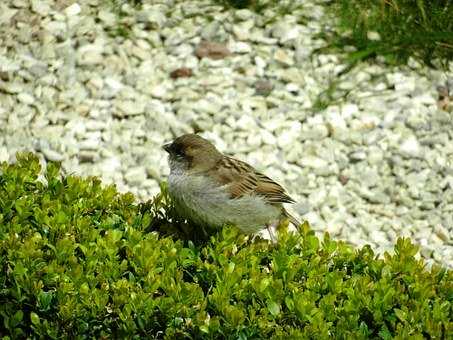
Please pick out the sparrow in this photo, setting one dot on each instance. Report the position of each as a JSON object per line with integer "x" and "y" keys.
{"x": 212, "y": 189}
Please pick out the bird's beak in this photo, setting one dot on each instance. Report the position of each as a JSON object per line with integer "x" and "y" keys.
{"x": 167, "y": 147}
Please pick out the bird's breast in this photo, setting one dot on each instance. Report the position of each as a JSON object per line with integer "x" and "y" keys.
{"x": 205, "y": 202}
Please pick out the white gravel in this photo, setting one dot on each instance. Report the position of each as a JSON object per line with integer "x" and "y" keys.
{"x": 368, "y": 154}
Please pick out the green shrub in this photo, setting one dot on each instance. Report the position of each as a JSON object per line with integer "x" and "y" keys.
{"x": 80, "y": 260}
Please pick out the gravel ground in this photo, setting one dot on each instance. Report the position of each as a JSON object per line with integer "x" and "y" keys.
{"x": 368, "y": 153}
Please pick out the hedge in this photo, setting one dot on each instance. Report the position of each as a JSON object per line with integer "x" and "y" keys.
{"x": 80, "y": 260}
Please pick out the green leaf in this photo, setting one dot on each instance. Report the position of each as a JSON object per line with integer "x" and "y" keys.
{"x": 400, "y": 314}
{"x": 17, "y": 318}
{"x": 289, "y": 303}
{"x": 204, "y": 329}
{"x": 273, "y": 307}
{"x": 34, "y": 319}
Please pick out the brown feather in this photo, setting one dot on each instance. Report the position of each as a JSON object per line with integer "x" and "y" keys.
{"x": 242, "y": 179}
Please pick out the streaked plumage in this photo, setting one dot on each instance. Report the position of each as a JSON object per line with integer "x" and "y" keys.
{"x": 212, "y": 189}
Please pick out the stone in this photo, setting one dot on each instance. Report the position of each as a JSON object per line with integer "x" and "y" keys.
{"x": 130, "y": 108}
{"x": 52, "y": 155}
{"x": 73, "y": 10}
{"x": 90, "y": 54}
{"x": 26, "y": 98}
{"x": 95, "y": 125}
{"x": 182, "y": 72}
{"x": 152, "y": 16}
{"x": 285, "y": 31}
{"x": 373, "y": 36}
{"x": 313, "y": 162}
{"x": 268, "y": 138}
{"x": 87, "y": 156}
{"x": 442, "y": 233}
{"x": 6, "y": 14}
{"x": 89, "y": 144}
{"x": 263, "y": 87}
{"x": 212, "y": 50}
{"x": 317, "y": 132}
{"x": 135, "y": 176}
{"x": 410, "y": 147}
{"x": 283, "y": 57}
{"x": 358, "y": 156}
{"x": 243, "y": 14}
{"x": 4, "y": 156}
{"x": 240, "y": 47}
{"x": 40, "y": 7}
{"x": 242, "y": 30}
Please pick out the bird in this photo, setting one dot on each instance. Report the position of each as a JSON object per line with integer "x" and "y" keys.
{"x": 212, "y": 189}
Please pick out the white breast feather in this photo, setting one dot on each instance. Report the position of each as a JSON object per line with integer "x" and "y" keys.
{"x": 205, "y": 203}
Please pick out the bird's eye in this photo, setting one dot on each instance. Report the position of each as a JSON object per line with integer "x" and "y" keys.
{"x": 179, "y": 153}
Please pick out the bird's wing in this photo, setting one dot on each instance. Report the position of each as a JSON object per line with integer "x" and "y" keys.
{"x": 242, "y": 179}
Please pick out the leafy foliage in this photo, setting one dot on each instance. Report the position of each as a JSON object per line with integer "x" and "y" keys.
{"x": 80, "y": 260}
{"x": 419, "y": 28}
{"x": 406, "y": 28}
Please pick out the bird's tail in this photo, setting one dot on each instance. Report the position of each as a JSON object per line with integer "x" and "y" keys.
{"x": 294, "y": 221}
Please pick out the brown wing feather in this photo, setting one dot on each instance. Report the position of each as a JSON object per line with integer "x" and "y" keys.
{"x": 242, "y": 179}
{"x": 273, "y": 191}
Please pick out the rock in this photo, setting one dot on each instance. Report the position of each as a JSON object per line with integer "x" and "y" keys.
{"x": 182, "y": 72}
{"x": 212, "y": 50}
{"x": 111, "y": 164}
{"x": 152, "y": 16}
{"x": 26, "y": 98}
{"x": 243, "y": 14}
{"x": 317, "y": 132}
{"x": 285, "y": 31}
{"x": 11, "y": 88}
{"x": 283, "y": 57}
{"x": 373, "y": 35}
{"x": 107, "y": 17}
{"x": 159, "y": 91}
{"x": 240, "y": 47}
{"x": 213, "y": 30}
{"x": 86, "y": 156}
{"x": 52, "y": 155}
{"x": 242, "y": 30}
{"x": 6, "y": 14}
{"x": 89, "y": 144}
{"x": 263, "y": 87}
{"x": 4, "y": 156}
{"x": 90, "y": 54}
{"x": 40, "y": 7}
{"x": 73, "y": 10}
{"x": 357, "y": 156}
{"x": 343, "y": 179}
{"x": 153, "y": 171}
{"x": 313, "y": 162}
{"x": 378, "y": 197}
{"x": 95, "y": 125}
{"x": 442, "y": 233}
{"x": 349, "y": 110}
{"x": 113, "y": 84}
{"x": 268, "y": 138}
{"x": 406, "y": 86}
{"x": 130, "y": 108}
{"x": 135, "y": 176}
{"x": 410, "y": 147}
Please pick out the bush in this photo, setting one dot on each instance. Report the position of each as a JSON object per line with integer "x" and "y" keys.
{"x": 80, "y": 260}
